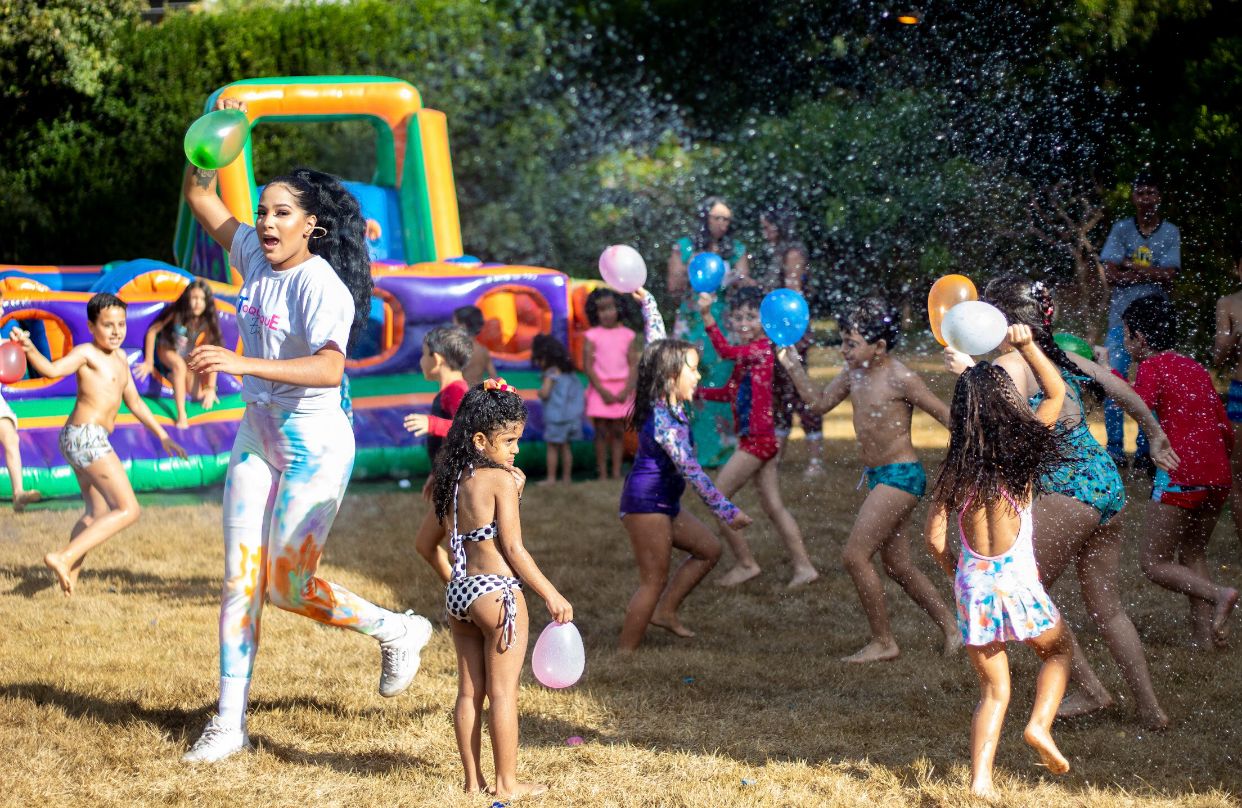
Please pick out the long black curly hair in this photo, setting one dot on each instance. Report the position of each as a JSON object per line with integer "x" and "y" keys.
{"x": 482, "y": 410}
{"x": 658, "y": 371}
{"x": 1030, "y": 303}
{"x": 996, "y": 444}
{"x": 344, "y": 246}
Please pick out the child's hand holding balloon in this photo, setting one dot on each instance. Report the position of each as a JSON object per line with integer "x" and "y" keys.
{"x": 789, "y": 357}
{"x": 956, "y": 362}
{"x": 560, "y": 609}
{"x": 1019, "y": 335}
{"x": 705, "y": 301}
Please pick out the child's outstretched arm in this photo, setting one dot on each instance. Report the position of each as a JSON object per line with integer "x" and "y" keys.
{"x": 509, "y": 527}
{"x": 147, "y": 366}
{"x": 920, "y": 395}
{"x": 1046, "y": 373}
{"x": 143, "y": 413}
{"x": 936, "y": 533}
{"x": 722, "y": 346}
{"x": 1119, "y": 390}
{"x": 69, "y": 363}
{"x": 834, "y": 393}
{"x": 673, "y": 435}
{"x": 653, "y": 323}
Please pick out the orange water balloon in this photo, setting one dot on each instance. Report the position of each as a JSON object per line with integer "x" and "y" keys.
{"x": 944, "y": 295}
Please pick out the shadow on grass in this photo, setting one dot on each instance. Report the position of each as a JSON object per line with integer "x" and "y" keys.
{"x": 184, "y": 725}
{"x": 34, "y": 578}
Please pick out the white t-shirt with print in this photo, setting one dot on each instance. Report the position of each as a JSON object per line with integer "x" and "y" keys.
{"x": 288, "y": 314}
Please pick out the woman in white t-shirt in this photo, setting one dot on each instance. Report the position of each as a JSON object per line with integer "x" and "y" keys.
{"x": 305, "y": 294}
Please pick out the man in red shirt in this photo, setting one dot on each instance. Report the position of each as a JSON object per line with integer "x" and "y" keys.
{"x": 749, "y": 390}
{"x": 1187, "y": 501}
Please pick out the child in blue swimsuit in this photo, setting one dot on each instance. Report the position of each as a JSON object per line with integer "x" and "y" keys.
{"x": 651, "y": 498}
{"x": 477, "y": 485}
{"x": 883, "y": 393}
{"x": 999, "y": 454}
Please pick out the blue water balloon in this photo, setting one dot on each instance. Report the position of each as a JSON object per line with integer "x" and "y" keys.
{"x": 785, "y": 316}
{"x": 707, "y": 272}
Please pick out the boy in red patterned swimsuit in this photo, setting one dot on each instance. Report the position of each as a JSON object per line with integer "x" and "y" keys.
{"x": 749, "y": 390}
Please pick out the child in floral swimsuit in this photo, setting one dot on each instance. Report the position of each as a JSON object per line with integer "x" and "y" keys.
{"x": 998, "y": 454}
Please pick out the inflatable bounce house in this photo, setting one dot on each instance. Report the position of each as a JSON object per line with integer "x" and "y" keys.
{"x": 420, "y": 277}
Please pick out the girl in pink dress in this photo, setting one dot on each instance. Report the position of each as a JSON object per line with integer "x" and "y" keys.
{"x": 609, "y": 358}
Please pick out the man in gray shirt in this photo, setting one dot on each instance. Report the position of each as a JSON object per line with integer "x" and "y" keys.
{"x": 1140, "y": 258}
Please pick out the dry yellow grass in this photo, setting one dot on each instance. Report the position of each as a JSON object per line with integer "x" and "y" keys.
{"x": 100, "y": 694}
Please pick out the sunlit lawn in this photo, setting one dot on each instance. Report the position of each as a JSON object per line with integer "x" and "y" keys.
{"x": 101, "y": 694}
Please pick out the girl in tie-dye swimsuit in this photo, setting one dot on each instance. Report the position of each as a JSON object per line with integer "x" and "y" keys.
{"x": 476, "y": 483}
{"x": 998, "y": 455}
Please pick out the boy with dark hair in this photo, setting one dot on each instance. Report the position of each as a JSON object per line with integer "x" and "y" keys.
{"x": 104, "y": 380}
{"x": 1188, "y": 500}
{"x": 446, "y": 352}
{"x": 749, "y": 391}
{"x": 480, "y": 366}
{"x": 883, "y": 394}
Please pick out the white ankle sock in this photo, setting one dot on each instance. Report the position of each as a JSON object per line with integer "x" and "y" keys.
{"x": 234, "y": 694}
{"x": 390, "y": 628}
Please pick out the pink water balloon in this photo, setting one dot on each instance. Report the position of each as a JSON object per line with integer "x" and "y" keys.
{"x": 623, "y": 268}
{"x": 559, "y": 657}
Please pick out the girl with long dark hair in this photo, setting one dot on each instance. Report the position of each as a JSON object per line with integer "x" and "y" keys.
{"x": 999, "y": 456}
{"x": 477, "y": 484}
{"x": 668, "y": 374}
{"x": 1078, "y": 512}
{"x": 185, "y": 323}
{"x": 304, "y": 297}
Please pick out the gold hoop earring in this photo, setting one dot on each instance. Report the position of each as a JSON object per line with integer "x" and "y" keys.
{"x": 324, "y": 231}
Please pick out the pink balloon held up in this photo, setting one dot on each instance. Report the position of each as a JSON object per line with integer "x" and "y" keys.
{"x": 559, "y": 657}
{"x": 623, "y": 268}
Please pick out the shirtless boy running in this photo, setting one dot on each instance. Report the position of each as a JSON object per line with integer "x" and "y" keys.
{"x": 883, "y": 393}
{"x": 103, "y": 381}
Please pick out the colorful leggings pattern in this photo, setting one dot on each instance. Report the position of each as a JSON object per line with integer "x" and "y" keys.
{"x": 286, "y": 478}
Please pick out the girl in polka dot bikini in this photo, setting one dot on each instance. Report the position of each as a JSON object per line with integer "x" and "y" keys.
{"x": 478, "y": 489}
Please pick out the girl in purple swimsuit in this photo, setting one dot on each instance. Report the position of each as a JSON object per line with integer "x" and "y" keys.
{"x": 651, "y": 499}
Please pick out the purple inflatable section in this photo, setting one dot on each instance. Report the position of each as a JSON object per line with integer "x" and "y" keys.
{"x": 72, "y": 312}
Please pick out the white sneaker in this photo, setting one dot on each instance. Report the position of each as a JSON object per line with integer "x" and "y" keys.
{"x": 402, "y": 656}
{"x": 217, "y": 742}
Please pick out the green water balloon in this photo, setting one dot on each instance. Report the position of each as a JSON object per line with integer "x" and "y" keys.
{"x": 214, "y": 140}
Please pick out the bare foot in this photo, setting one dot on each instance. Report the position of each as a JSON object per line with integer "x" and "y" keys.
{"x": 1154, "y": 720}
{"x": 64, "y": 574}
{"x": 1041, "y": 741}
{"x": 669, "y": 622}
{"x": 520, "y": 790}
{"x": 476, "y": 789}
{"x": 952, "y": 643}
{"x": 25, "y": 498}
{"x": 983, "y": 789}
{"x": 548, "y": 481}
{"x": 1080, "y": 703}
{"x": 874, "y": 651}
{"x": 738, "y": 575}
{"x": 1224, "y": 608}
{"x": 801, "y": 577}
